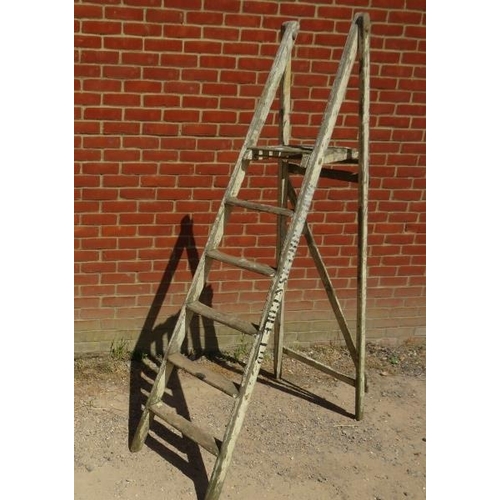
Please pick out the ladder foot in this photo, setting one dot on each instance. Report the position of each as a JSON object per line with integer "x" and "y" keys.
{"x": 141, "y": 432}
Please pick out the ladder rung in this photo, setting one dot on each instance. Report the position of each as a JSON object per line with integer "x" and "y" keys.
{"x": 186, "y": 427}
{"x": 333, "y": 154}
{"x": 259, "y": 206}
{"x": 210, "y": 377}
{"x": 242, "y": 263}
{"x": 225, "y": 319}
{"x": 319, "y": 366}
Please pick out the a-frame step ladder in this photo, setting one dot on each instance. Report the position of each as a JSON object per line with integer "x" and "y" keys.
{"x": 308, "y": 161}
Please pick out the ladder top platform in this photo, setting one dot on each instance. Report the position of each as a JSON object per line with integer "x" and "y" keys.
{"x": 333, "y": 154}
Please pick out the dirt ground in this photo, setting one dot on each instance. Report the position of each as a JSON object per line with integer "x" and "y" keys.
{"x": 299, "y": 439}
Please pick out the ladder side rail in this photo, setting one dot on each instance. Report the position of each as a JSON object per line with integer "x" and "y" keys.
{"x": 216, "y": 233}
{"x": 363, "y": 23}
{"x": 283, "y": 176}
{"x": 289, "y": 249}
{"x": 255, "y": 128}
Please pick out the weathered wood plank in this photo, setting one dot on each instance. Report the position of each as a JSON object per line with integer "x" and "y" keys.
{"x": 242, "y": 263}
{"x": 186, "y": 427}
{"x": 238, "y": 414}
{"x": 284, "y": 133}
{"x": 223, "y": 318}
{"x": 334, "y": 154}
{"x": 260, "y": 207}
{"x": 327, "y": 173}
{"x": 363, "y": 23}
{"x": 203, "y": 373}
{"x": 319, "y": 366}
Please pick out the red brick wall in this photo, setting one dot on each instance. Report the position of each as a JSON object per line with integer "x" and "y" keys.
{"x": 164, "y": 93}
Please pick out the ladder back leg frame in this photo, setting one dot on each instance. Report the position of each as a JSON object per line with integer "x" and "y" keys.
{"x": 311, "y": 164}
{"x": 356, "y": 348}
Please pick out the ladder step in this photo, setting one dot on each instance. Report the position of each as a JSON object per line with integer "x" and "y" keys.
{"x": 225, "y": 319}
{"x": 210, "y": 377}
{"x": 333, "y": 154}
{"x": 251, "y": 205}
{"x": 242, "y": 263}
{"x": 187, "y": 428}
{"x": 326, "y": 172}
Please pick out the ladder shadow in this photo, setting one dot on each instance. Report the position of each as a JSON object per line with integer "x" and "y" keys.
{"x": 150, "y": 347}
{"x": 288, "y": 387}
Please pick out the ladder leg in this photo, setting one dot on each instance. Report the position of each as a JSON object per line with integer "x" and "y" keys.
{"x": 364, "y": 84}
{"x": 233, "y": 429}
{"x": 147, "y": 417}
{"x": 279, "y": 330}
{"x": 159, "y": 384}
{"x": 284, "y": 139}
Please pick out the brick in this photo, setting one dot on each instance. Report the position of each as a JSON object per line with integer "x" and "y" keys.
{"x": 87, "y": 70}
{"x": 102, "y": 27}
{"x": 102, "y": 113}
{"x": 162, "y": 129}
{"x": 199, "y": 129}
{"x": 400, "y": 44}
{"x": 413, "y": 58}
{"x": 173, "y": 116}
{"x": 199, "y": 75}
{"x": 239, "y": 77}
{"x": 140, "y": 29}
{"x": 124, "y": 13}
{"x": 121, "y": 155}
{"x": 182, "y": 31}
{"x": 101, "y": 142}
{"x": 122, "y": 99}
{"x": 405, "y": 17}
{"x": 143, "y": 114}
{"x": 141, "y": 142}
{"x": 98, "y": 243}
{"x": 164, "y": 16}
{"x": 88, "y": 12}
{"x": 204, "y": 18}
{"x": 90, "y": 42}
{"x": 181, "y": 60}
{"x": 156, "y": 206}
{"x": 202, "y": 46}
{"x": 86, "y": 127}
{"x": 99, "y": 56}
{"x": 407, "y": 135}
{"x": 121, "y": 128}
{"x": 222, "y": 5}
{"x": 218, "y": 62}
{"x": 221, "y": 33}
{"x": 260, "y": 7}
{"x": 297, "y": 10}
{"x": 219, "y": 116}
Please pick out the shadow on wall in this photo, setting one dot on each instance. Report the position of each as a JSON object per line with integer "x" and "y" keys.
{"x": 151, "y": 345}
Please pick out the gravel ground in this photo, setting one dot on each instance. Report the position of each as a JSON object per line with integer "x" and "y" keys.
{"x": 299, "y": 439}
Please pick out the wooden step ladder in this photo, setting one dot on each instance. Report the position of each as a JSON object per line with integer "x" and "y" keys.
{"x": 311, "y": 162}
